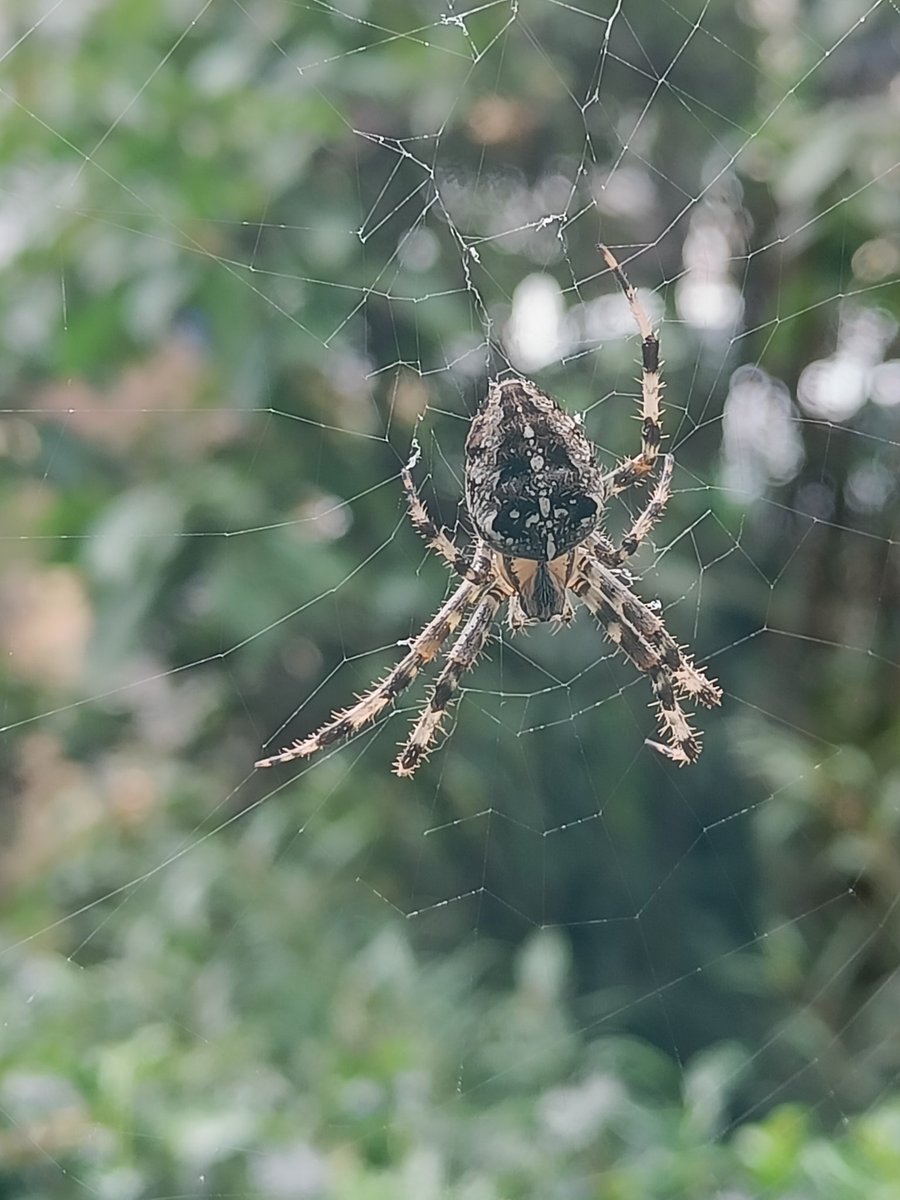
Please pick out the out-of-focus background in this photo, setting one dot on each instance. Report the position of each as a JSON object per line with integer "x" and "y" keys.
{"x": 249, "y": 250}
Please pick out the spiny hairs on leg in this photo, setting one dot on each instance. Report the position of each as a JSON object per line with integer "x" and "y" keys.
{"x": 601, "y": 546}
{"x": 461, "y": 658}
{"x": 636, "y": 468}
{"x": 436, "y": 537}
{"x": 683, "y": 745}
{"x": 683, "y": 741}
{"x": 643, "y": 637}
{"x": 642, "y": 526}
{"x": 689, "y": 679}
{"x": 426, "y": 647}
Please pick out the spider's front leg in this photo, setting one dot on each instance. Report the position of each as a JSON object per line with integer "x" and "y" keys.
{"x": 461, "y": 658}
{"x": 689, "y": 678}
{"x": 435, "y": 535}
{"x": 634, "y": 469}
{"x": 641, "y": 527}
{"x": 423, "y": 650}
{"x": 683, "y": 744}
{"x": 640, "y": 634}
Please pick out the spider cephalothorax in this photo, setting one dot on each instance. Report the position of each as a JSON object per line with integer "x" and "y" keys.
{"x": 535, "y": 495}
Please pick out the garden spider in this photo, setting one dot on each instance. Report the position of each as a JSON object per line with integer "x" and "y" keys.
{"x": 535, "y": 496}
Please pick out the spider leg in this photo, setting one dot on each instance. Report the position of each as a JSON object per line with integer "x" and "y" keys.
{"x": 683, "y": 743}
{"x": 641, "y": 635}
{"x": 689, "y": 679}
{"x": 615, "y": 556}
{"x": 461, "y": 658}
{"x": 634, "y": 469}
{"x": 436, "y": 536}
{"x": 423, "y": 649}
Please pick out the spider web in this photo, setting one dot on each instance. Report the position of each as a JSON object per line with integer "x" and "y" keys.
{"x": 252, "y": 251}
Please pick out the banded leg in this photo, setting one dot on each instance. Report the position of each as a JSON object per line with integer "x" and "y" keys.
{"x": 634, "y": 469}
{"x": 423, "y": 650}
{"x": 615, "y": 556}
{"x": 690, "y": 680}
{"x": 435, "y": 536}
{"x": 461, "y": 658}
{"x": 683, "y": 743}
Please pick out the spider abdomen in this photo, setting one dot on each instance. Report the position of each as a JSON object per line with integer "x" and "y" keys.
{"x": 533, "y": 487}
{"x": 540, "y": 523}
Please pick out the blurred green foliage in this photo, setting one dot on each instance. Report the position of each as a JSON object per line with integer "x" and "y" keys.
{"x": 244, "y": 249}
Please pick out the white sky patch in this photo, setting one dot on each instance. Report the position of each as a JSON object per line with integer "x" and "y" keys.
{"x": 629, "y": 192}
{"x": 418, "y": 249}
{"x": 884, "y": 384}
{"x": 536, "y": 333}
{"x": 835, "y": 388}
{"x": 714, "y": 304}
{"x": 869, "y": 487}
{"x": 706, "y": 296}
{"x": 761, "y": 443}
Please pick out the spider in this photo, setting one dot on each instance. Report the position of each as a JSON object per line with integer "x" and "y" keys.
{"x": 535, "y": 495}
